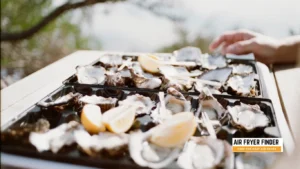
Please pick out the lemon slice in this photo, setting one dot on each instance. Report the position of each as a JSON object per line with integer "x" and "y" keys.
{"x": 120, "y": 119}
{"x": 91, "y": 119}
{"x": 149, "y": 63}
{"x": 175, "y": 131}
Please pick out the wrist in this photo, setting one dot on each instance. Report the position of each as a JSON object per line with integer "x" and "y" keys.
{"x": 288, "y": 50}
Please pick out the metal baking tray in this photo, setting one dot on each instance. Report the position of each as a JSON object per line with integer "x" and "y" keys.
{"x": 71, "y": 154}
{"x": 72, "y": 80}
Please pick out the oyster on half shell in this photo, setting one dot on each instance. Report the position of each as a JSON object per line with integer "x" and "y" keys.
{"x": 241, "y": 69}
{"x": 189, "y": 54}
{"x": 111, "y": 60}
{"x": 176, "y": 102}
{"x": 114, "y": 79}
{"x": 56, "y": 138}
{"x": 145, "y": 103}
{"x": 60, "y": 101}
{"x": 247, "y": 117}
{"x": 203, "y": 153}
{"x": 141, "y": 81}
{"x": 90, "y": 74}
{"x": 102, "y": 143}
{"x": 104, "y": 103}
{"x": 242, "y": 85}
{"x": 212, "y": 62}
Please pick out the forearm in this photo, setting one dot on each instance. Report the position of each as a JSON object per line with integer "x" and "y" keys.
{"x": 289, "y": 50}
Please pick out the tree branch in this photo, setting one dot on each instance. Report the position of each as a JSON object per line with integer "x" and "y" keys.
{"x": 5, "y": 36}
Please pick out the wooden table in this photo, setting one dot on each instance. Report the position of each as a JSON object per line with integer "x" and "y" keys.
{"x": 21, "y": 95}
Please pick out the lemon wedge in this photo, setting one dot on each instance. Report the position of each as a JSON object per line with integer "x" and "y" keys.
{"x": 91, "y": 119}
{"x": 149, "y": 63}
{"x": 175, "y": 131}
{"x": 120, "y": 119}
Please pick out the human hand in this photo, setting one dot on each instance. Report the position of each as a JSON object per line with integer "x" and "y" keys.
{"x": 239, "y": 42}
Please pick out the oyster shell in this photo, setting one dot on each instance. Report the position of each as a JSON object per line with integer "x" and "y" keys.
{"x": 212, "y": 62}
{"x": 59, "y": 101}
{"x": 241, "y": 69}
{"x": 189, "y": 53}
{"x": 141, "y": 81}
{"x": 161, "y": 113}
{"x": 111, "y": 60}
{"x": 114, "y": 79}
{"x": 255, "y": 160}
{"x": 200, "y": 87}
{"x": 242, "y": 85}
{"x": 145, "y": 103}
{"x": 104, "y": 103}
{"x": 247, "y": 117}
{"x": 203, "y": 153}
{"x": 90, "y": 74}
{"x": 220, "y": 75}
{"x": 103, "y": 143}
{"x": 56, "y": 138}
{"x": 176, "y": 102}
{"x": 147, "y": 154}
{"x": 178, "y": 84}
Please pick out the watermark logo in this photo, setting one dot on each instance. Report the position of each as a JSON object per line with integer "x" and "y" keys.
{"x": 257, "y": 145}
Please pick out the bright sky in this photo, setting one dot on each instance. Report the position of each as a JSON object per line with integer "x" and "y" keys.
{"x": 128, "y": 28}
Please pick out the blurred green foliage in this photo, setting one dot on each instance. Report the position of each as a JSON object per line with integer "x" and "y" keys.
{"x": 54, "y": 41}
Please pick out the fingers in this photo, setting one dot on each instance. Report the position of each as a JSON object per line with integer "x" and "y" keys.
{"x": 241, "y": 47}
{"x": 226, "y": 37}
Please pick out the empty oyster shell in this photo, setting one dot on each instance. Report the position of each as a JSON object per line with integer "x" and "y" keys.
{"x": 90, "y": 74}
{"x": 178, "y": 84}
{"x": 242, "y": 85}
{"x": 247, "y": 117}
{"x": 203, "y": 153}
{"x": 114, "y": 79}
{"x": 189, "y": 53}
{"x": 161, "y": 113}
{"x": 55, "y": 138}
{"x": 104, "y": 103}
{"x": 60, "y": 101}
{"x": 111, "y": 60}
{"x": 176, "y": 102}
{"x": 241, "y": 69}
{"x": 142, "y": 82}
{"x": 220, "y": 75}
{"x": 212, "y": 62}
{"x": 146, "y": 104}
{"x": 103, "y": 143}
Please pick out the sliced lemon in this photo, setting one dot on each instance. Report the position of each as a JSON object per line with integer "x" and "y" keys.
{"x": 119, "y": 119}
{"x": 149, "y": 63}
{"x": 91, "y": 119}
{"x": 174, "y": 131}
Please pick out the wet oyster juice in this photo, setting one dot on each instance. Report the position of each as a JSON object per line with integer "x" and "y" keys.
{"x": 121, "y": 112}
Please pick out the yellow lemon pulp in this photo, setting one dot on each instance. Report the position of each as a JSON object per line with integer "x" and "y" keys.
{"x": 91, "y": 119}
{"x": 174, "y": 131}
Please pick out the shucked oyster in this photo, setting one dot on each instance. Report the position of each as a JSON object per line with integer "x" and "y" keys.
{"x": 190, "y": 54}
{"x": 111, "y": 60}
{"x": 247, "y": 117}
{"x": 55, "y": 138}
{"x": 203, "y": 153}
{"x": 142, "y": 82}
{"x": 176, "y": 102}
{"x": 104, "y": 103}
{"x": 103, "y": 143}
{"x": 212, "y": 62}
{"x": 60, "y": 101}
{"x": 90, "y": 74}
{"x": 242, "y": 85}
{"x": 146, "y": 104}
{"x": 241, "y": 69}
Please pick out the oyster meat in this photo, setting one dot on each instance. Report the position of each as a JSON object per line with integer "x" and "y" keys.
{"x": 104, "y": 103}
{"x": 56, "y": 138}
{"x": 60, "y": 101}
{"x": 141, "y": 81}
{"x": 247, "y": 117}
{"x": 203, "y": 153}
{"x": 114, "y": 79}
{"x": 212, "y": 62}
{"x": 242, "y": 85}
{"x": 189, "y": 54}
{"x": 145, "y": 103}
{"x": 102, "y": 143}
{"x": 111, "y": 60}
{"x": 176, "y": 102}
{"x": 90, "y": 74}
{"x": 241, "y": 69}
